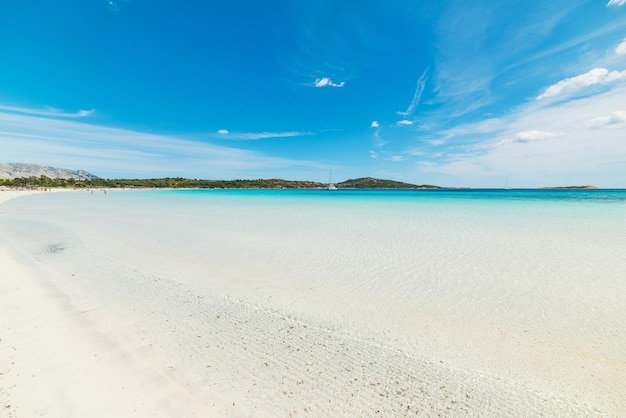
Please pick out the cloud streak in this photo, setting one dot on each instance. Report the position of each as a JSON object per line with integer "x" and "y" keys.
{"x": 254, "y": 136}
{"x": 46, "y": 112}
{"x": 580, "y": 82}
{"x": 379, "y": 141}
{"x": 417, "y": 95}
{"x": 117, "y": 152}
{"x": 616, "y": 3}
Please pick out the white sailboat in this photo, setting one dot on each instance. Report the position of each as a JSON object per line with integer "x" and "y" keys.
{"x": 331, "y": 185}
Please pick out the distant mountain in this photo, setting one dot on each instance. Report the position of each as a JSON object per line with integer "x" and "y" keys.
{"x": 15, "y": 170}
{"x": 373, "y": 183}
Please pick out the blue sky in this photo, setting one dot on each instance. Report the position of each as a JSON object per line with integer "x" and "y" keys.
{"x": 453, "y": 93}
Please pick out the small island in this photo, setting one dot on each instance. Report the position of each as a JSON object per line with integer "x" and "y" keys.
{"x": 374, "y": 183}
{"x": 587, "y": 187}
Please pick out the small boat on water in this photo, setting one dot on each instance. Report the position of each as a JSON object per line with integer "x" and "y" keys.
{"x": 331, "y": 185}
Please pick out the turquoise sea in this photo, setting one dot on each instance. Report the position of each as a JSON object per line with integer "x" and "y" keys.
{"x": 525, "y": 286}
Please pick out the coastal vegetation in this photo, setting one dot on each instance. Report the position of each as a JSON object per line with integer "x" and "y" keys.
{"x": 179, "y": 183}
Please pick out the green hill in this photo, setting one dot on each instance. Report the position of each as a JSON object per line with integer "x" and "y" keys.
{"x": 374, "y": 183}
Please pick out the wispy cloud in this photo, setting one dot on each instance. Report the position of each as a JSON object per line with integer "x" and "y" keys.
{"x": 473, "y": 69}
{"x": 373, "y": 154}
{"x": 379, "y": 141}
{"x": 46, "y": 112}
{"x": 616, "y": 3}
{"x": 117, "y": 152}
{"x": 404, "y": 122}
{"x": 327, "y": 82}
{"x": 616, "y": 120}
{"x": 537, "y": 141}
{"x": 417, "y": 95}
{"x": 582, "y": 81}
{"x": 253, "y": 136}
{"x": 621, "y": 48}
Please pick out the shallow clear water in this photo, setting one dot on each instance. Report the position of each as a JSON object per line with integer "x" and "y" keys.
{"x": 494, "y": 280}
{"x": 523, "y": 251}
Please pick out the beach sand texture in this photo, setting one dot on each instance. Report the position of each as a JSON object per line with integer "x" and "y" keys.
{"x": 120, "y": 306}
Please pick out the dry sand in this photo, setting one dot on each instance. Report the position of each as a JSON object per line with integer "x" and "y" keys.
{"x": 60, "y": 359}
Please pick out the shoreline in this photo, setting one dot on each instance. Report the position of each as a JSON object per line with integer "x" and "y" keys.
{"x": 62, "y": 355}
{"x": 12, "y": 194}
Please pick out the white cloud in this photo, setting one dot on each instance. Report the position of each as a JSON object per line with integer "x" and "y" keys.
{"x": 579, "y": 82}
{"x": 374, "y": 124}
{"x": 396, "y": 158}
{"x": 616, "y": 120}
{"x": 404, "y": 122}
{"x": 536, "y": 135}
{"x": 616, "y": 3}
{"x": 419, "y": 89}
{"x": 373, "y": 154}
{"x": 326, "y": 82}
{"x": 223, "y": 132}
{"x": 621, "y": 48}
{"x": 113, "y": 4}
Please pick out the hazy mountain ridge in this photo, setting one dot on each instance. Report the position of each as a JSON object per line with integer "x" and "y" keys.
{"x": 21, "y": 170}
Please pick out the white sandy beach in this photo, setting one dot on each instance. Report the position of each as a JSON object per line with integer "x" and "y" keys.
{"x": 62, "y": 356}
{"x": 174, "y": 350}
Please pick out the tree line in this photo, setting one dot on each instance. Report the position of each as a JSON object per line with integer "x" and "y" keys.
{"x": 167, "y": 182}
